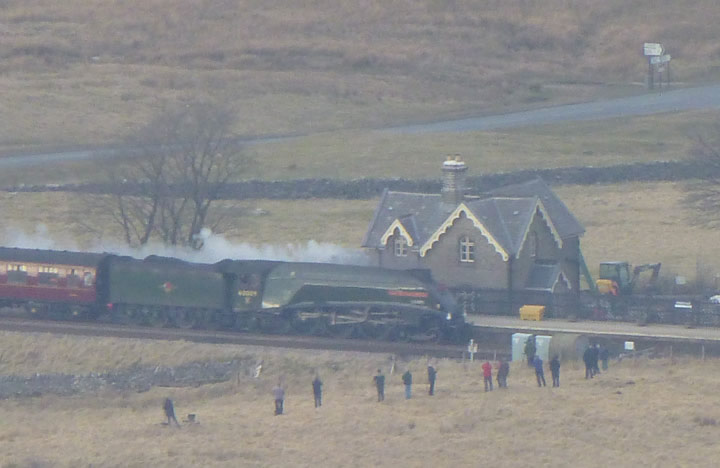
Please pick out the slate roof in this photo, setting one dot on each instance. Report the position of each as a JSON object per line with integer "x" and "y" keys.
{"x": 543, "y": 276}
{"x": 506, "y": 214}
{"x": 564, "y": 221}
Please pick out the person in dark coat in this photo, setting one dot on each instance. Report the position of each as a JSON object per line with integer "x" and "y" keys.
{"x": 379, "y": 380}
{"x": 169, "y": 409}
{"x": 555, "y": 370}
{"x": 587, "y": 359}
{"x": 279, "y": 394}
{"x": 539, "y": 372}
{"x": 407, "y": 381}
{"x": 604, "y": 357}
{"x": 595, "y": 358}
{"x": 317, "y": 390}
{"x": 502, "y": 373}
{"x": 530, "y": 349}
{"x": 432, "y": 374}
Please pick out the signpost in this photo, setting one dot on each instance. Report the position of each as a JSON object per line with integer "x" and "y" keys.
{"x": 472, "y": 349}
{"x": 659, "y": 59}
{"x": 654, "y": 52}
{"x": 652, "y": 49}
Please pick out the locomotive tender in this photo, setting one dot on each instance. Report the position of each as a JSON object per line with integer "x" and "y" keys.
{"x": 253, "y": 295}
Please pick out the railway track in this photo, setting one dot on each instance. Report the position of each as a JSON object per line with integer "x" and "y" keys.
{"x": 93, "y": 329}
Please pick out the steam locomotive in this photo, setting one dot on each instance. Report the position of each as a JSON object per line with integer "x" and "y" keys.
{"x": 252, "y": 295}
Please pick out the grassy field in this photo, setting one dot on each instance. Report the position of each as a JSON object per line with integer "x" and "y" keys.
{"x": 357, "y": 154}
{"x": 657, "y": 412}
{"x": 75, "y": 72}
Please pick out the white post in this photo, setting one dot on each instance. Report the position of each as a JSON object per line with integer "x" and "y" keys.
{"x": 472, "y": 349}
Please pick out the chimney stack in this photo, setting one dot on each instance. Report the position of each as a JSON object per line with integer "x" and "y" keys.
{"x": 453, "y": 188}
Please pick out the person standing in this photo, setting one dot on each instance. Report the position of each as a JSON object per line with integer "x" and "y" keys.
{"x": 279, "y": 394}
{"x": 407, "y": 381}
{"x": 555, "y": 370}
{"x": 432, "y": 373}
{"x": 379, "y": 380}
{"x": 539, "y": 372}
{"x": 530, "y": 349}
{"x": 595, "y": 357}
{"x": 604, "y": 357}
{"x": 587, "y": 359}
{"x": 169, "y": 409}
{"x": 317, "y": 390}
{"x": 502, "y": 373}
{"x": 487, "y": 376}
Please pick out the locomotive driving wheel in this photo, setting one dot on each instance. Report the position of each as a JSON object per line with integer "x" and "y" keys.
{"x": 154, "y": 316}
{"x": 184, "y": 318}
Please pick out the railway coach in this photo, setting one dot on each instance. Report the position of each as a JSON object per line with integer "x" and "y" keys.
{"x": 48, "y": 282}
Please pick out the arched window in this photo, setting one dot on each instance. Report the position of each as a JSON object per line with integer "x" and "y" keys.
{"x": 400, "y": 247}
{"x": 467, "y": 250}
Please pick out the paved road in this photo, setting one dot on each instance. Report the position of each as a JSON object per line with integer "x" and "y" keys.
{"x": 706, "y": 97}
{"x": 610, "y": 329}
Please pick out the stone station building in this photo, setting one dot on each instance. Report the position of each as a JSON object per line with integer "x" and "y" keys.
{"x": 515, "y": 245}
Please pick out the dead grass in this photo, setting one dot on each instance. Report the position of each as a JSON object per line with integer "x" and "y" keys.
{"x": 650, "y": 412}
{"x": 74, "y": 72}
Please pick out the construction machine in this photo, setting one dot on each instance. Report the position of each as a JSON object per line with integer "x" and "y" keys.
{"x": 617, "y": 280}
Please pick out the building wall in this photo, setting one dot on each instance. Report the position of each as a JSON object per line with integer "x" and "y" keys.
{"x": 489, "y": 270}
{"x": 387, "y": 258}
{"x": 570, "y": 257}
{"x": 547, "y": 249}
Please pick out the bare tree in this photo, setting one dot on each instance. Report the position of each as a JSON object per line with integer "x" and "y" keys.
{"x": 703, "y": 194}
{"x": 179, "y": 164}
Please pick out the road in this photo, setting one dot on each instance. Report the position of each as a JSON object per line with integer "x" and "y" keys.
{"x": 657, "y": 102}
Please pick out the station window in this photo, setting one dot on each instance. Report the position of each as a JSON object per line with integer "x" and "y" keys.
{"x": 16, "y": 267}
{"x": 467, "y": 250}
{"x": 400, "y": 247}
{"x": 48, "y": 269}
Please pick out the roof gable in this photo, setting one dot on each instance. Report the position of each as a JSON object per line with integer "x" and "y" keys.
{"x": 463, "y": 209}
{"x": 566, "y": 225}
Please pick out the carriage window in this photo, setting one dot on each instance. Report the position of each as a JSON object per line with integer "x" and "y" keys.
{"x": 17, "y": 273}
{"x": 467, "y": 250}
{"x": 88, "y": 279}
{"x": 47, "y": 275}
{"x": 400, "y": 247}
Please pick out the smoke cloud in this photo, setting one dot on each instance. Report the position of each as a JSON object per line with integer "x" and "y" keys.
{"x": 215, "y": 248}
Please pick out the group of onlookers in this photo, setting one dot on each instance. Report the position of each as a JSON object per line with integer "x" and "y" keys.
{"x": 591, "y": 357}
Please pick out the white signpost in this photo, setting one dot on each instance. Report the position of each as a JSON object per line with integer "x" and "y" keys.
{"x": 660, "y": 59}
{"x": 654, "y": 52}
{"x": 652, "y": 49}
{"x": 472, "y": 349}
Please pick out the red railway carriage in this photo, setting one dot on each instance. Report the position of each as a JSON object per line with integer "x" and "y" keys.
{"x": 48, "y": 280}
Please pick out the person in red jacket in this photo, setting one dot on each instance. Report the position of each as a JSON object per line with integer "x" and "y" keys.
{"x": 487, "y": 374}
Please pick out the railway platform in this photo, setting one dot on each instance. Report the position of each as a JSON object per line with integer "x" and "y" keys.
{"x": 612, "y": 330}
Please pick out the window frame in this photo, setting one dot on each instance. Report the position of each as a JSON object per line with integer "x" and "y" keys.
{"x": 400, "y": 247}
{"x": 467, "y": 250}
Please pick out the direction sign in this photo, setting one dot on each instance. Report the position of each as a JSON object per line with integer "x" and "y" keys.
{"x": 661, "y": 59}
{"x": 652, "y": 49}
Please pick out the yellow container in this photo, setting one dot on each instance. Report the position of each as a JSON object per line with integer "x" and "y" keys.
{"x": 532, "y": 312}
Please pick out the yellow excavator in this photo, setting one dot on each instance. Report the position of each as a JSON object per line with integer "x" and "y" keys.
{"x": 617, "y": 280}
